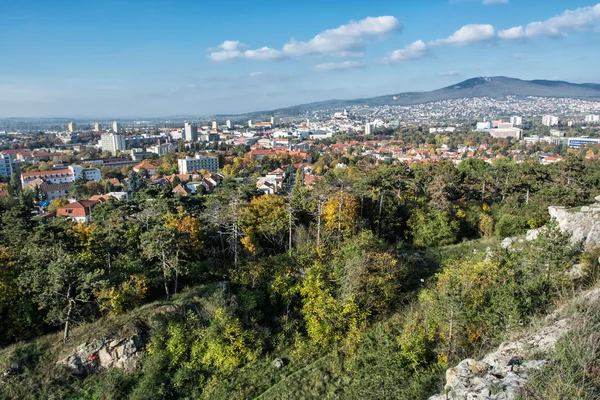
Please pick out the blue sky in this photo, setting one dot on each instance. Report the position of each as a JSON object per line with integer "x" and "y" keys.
{"x": 146, "y": 58}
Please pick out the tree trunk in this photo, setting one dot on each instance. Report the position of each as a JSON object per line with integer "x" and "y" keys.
{"x": 68, "y": 317}
{"x": 165, "y": 269}
{"x": 340, "y": 216}
{"x": 483, "y": 191}
{"x": 109, "y": 261}
{"x": 319, "y": 212}
{"x": 176, "y": 283}
{"x": 290, "y": 226}
{"x": 380, "y": 210}
{"x": 527, "y": 198}
{"x": 450, "y": 336}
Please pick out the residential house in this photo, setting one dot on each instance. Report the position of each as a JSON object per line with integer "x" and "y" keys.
{"x": 78, "y": 211}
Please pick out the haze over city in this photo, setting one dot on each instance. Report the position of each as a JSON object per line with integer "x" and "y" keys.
{"x": 155, "y": 58}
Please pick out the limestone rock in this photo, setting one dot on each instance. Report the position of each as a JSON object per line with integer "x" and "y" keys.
{"x": 583, "y": 224}
{"x": 102, "y": 354}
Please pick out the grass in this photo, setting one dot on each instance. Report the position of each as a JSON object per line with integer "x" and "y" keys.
{"x": 574, "y": 369}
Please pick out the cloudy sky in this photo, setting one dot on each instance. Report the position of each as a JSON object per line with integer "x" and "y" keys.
{"x": 103, "y": 58}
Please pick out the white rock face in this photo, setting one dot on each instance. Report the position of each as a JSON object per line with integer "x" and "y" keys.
{"x": 102, "y": 354}
{"x": 501, "y": 374}
{"x": 583, "y": 224}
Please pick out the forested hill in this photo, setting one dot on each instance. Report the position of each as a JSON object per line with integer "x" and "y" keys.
{"x": 368, "y": 286}
{"x": 495, "y": 87}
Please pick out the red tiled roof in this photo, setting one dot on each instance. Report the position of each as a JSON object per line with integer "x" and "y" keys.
{"x": 52, "y": 172}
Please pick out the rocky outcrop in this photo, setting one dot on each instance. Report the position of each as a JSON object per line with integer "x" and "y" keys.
{"x": 582, "y": 223}
{"x": 502, "y": 374}
{"x": 102, "y": 354}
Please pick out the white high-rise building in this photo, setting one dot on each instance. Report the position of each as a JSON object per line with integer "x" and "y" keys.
{"x": 550, "y": 120}
{"x": 72, "y": 126}
{"x": 215, "y": 125}
{"x": 516, "y": 121}
{"x": 272, "y": 121}
{"x": 368, "y": 129}
{"x": 7, "y": 165}
{"x": 250, "y": 123}
{"x": 198, "y": 163}
{"x": 228, "y": 124}
{"x": 113, "y": 143}
{"x": 96, "y": 127}
{"x": 116, "y": 127}
{"x": 191, "y": 132}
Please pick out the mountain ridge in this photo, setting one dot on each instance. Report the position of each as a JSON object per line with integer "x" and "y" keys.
{"x": 498, "y": 87}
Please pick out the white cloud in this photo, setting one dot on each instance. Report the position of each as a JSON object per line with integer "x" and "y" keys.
{"x": 467, "y": 34}
{"x": 342, "y": 41}
{"x": 327, "y": 67}
{"x": 414, "y": 50}
{"x": 264, "y": 53}
{"x": 570, "y": 20}
{"x": 449, "y": 73}
{"x": 345, "y": 37}
{"x": 231, "y": 49}
{"x": 513, "y": 33}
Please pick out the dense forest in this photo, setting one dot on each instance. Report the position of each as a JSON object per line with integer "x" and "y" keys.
{"x": 368, "y": 285}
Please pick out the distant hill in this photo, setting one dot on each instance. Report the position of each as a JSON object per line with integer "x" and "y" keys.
{"x": 496, "y": 87}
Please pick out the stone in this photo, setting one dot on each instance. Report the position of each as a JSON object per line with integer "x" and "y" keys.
{"x": 575, "y": 272}
{"x": 278, "y": 363}
{"x": 506, "y": 243}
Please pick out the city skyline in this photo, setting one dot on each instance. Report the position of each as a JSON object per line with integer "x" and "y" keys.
{"x": 186, "y": 58}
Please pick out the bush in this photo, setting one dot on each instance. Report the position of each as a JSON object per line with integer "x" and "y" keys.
{"x": 511, "y": 225}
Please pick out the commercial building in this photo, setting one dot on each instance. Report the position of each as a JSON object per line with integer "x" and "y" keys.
{"x": 96, "y": 127}
{"x": 228, "y": 124}
{"x": 483, "y": 126}
{"x": 198, "y": 163}
{"x": 191, "y": 132}
{"x": 72, "y": 126}
{"x": 368, "y": 129}
{"x": 505, "y": 131}
{"x": 550, "y": 120}
{"x": 582, "y": 141}
{"x": 113, "y": 143}
{"x": 116, "y": 127}
{"x": 215, "y": 125}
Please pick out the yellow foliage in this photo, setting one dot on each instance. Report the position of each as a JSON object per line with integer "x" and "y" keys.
{"x": 83, "y": 233}
{"x": 186, "y": 224}
{"x": 340, "y": 212}
{"x": 128, "y": 294}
